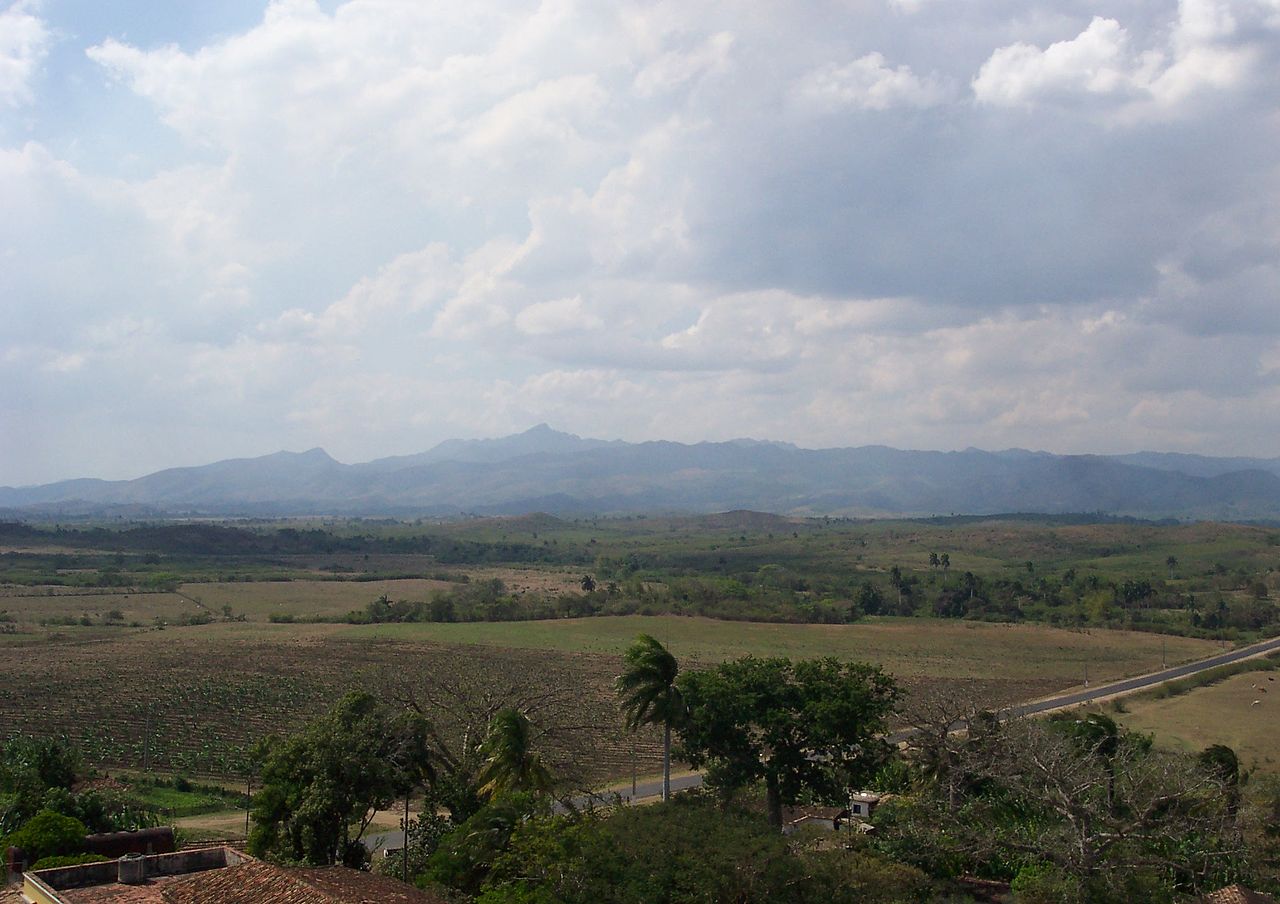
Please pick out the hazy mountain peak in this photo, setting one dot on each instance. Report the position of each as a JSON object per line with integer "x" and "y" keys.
{"x": 543, "y": 469}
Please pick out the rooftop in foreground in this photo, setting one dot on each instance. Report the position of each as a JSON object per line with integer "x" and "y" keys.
{"x": 218, "y": 875}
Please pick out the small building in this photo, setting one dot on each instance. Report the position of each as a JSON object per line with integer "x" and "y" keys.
{"x": 863, "y": 803}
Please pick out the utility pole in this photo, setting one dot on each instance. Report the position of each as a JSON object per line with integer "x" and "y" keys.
{"x": 1086, "y": 674}
{"x": 1162, "y": 653}
{"x": 146, "y": 742}
{"x": 404, "y": 845}
{"x": 248, "y": 802}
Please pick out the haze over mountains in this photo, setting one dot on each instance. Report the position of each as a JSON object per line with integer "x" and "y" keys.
{"x": 546, "y": 470}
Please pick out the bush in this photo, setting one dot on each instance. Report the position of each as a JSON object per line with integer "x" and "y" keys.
{"x": 48, "y": 834}
{"x": 69, "y": 860}
{"x": 1041, "y": 883}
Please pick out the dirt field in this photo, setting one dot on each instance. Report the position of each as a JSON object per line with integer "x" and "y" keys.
{"x": 1222, "y": 713}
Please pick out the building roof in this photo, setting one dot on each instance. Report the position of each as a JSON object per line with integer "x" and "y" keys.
{"x": 253, "y": 881}
{"x": 1237, "y": 894}
{"x": 149, "y": 892}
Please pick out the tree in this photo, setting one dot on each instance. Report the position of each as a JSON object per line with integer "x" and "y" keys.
{"x": 322, "y": 786}
{"x": 868, "y": 600}
{"x": 510, "y": 763}
{"x": 807, "y": 726}
{"x": 1172, "y": 563}
{"x": 458, "y": 712}
{"x": 588, "y": 583}
{"x": 650, "y": 696}
{"x": 29, "y": 769}
{"x": 1104, "y": 815}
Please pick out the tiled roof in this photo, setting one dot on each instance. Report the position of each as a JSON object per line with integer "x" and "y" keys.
{"x": 252, "y": 882}
{"x": 148, "y": 892}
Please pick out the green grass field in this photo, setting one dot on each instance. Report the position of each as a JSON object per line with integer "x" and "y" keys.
{"x": 1222, "y": 713}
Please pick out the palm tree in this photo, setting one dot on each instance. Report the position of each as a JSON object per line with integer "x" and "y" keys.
{"x": 649, "y": 696}
{"x": 509, "y": 761}
{"x": 1172, "y": 562}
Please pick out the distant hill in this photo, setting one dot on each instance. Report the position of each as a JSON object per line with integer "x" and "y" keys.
{"x": 543, "y": 470}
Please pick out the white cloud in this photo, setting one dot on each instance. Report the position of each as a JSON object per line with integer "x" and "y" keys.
{"x": 1098, "y": 61}
{"x": 24, "y": 43}
{"x": 562, "y": 315}
{"x": 1207, "y": 49}
{"x": 870, "y": 84}
{"x": 674, "y": 69}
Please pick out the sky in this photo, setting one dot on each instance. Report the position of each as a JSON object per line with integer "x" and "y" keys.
{"x": 232, "y": 227}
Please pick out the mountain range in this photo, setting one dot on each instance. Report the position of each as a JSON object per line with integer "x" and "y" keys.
{"x": 545, "y": 470}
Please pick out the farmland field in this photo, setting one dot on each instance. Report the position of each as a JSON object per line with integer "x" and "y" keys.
{"x": 176, "y": 646}
{"x": 906, "y": 647}
{"x": 192, "y": 699}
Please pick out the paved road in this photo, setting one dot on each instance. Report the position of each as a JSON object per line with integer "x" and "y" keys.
{"x": 1142, "y": 681}
{"x": 393, "y": 840}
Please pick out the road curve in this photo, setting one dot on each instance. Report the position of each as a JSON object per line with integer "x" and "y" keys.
{"x": 393, "y": 840}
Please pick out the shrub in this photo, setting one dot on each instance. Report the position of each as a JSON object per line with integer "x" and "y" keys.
{"x": 48, "y": 834}
{"x": 68, "y": 860}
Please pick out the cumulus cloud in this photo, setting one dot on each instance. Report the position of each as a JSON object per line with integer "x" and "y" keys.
{"x": 563, "y": 315}
{"x": 24, "y": 43}
{"x": 1097, "y": 61}
{"x": 1208, "y": 48}
{"x": 870, "y": 84}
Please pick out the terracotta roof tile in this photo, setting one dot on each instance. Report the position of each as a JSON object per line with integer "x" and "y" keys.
{"x": 115, "y": 893}
{"x": 254, "y": 882}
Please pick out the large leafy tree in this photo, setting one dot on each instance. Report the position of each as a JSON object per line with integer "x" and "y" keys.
{"x": 810, "y": 726}
{"x": 321, "y": 787}
{"x": 649, "y": 694}
{"x": 29, "y": 769}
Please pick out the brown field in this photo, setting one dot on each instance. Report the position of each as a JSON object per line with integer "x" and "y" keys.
{"x": 259, "y": 600}
{"x": 908, "y": 647}
{"x": 193, "y": 699}
{"x": 1221, "y": 713}
{"x": 255, "y": 600}
{"x": 31, "y": 605}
